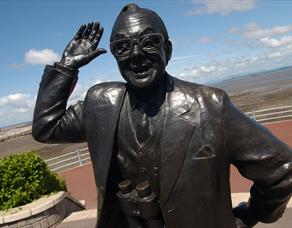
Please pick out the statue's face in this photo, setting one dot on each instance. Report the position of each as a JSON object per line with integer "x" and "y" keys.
{"x": 139, "y": 48}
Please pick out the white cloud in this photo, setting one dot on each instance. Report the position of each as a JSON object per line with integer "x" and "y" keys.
{"x": 254, "y": 31}
{"x": 274, "y": 55}
{"x": 15, "y": 100}
{"x": 208, "y": 69}
{"x": 80, "y": 91}
{"x": 204, "y": 39}
{"x": 45, "y": 56}
{"x": 273, "y": 43}
{"x": 223, "y": 7}
{"x": 98, "y": 81}
{"x": 236, "y": 66}
{"x": 18, "y": 107}
{"x": 182, "y": 58}
{"x": 202, "y": 72}
{"x": 289, "y": 47}
{"x": 233, "y": 30}
{"x": 278, "y": 38}
{"x": 15, "y": 108}
{"x": 78, "y": 94}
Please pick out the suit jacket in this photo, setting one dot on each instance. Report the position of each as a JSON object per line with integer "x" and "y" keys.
{"x": 203, "y": 134}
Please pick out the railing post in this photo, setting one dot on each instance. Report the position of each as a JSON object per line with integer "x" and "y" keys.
{"x": 78, "y": 155}
{"x": 253, "y": 114}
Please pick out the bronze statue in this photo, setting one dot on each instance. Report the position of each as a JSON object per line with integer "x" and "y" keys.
{"x": 160, "y": 147}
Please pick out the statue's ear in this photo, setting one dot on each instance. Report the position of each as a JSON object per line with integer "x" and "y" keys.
{"x": 168, "y": 50}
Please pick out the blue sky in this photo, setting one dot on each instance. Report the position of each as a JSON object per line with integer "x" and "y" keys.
{"x": 212, "y": 39}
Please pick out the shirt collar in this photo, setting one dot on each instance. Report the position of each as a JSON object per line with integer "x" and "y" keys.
{"x": 154, "y": 102}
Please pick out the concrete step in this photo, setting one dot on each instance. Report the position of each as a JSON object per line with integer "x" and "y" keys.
{"x": 80, "y": 219}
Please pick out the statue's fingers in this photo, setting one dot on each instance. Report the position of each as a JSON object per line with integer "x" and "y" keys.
{"x": 96, "y": 52}
{"x": 88, "y": 30}
{"x": 80, "y": 31}
{"x": 97, "y": 36}
{"x": 94, "y": 30}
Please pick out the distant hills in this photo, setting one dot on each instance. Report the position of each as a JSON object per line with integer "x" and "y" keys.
{"x": 259, "y": 73}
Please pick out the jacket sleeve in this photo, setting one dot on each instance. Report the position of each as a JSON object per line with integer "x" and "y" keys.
{"x": 262, "y": 158}
{"x": 52, "y": 123}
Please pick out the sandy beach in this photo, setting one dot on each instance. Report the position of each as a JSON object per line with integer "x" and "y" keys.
{"x": 260, "y": 91}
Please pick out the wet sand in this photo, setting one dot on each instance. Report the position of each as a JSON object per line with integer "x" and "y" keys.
{"x": 260, "y": 91}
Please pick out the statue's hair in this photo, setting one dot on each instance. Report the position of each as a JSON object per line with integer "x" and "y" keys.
{"x": 132, "y": 8}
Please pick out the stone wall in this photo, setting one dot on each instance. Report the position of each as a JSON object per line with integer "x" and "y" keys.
{"x": 43, "y": 213}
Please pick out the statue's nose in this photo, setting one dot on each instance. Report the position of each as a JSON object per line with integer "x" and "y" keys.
{"x": 137, "y": 52}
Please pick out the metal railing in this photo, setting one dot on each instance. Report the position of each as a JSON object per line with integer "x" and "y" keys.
{"x": 81, "y": 156}
{"x": 271, "y": 114}
{"x": 76, "y": 158}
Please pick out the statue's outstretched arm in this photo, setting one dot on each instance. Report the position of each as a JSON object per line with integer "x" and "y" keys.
{"x": 52, "y": 122}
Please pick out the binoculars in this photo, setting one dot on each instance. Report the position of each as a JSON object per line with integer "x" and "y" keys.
{"x": 140, "y": 205}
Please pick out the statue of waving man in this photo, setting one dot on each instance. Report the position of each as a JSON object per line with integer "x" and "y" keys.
{"x": 161, "y": 148}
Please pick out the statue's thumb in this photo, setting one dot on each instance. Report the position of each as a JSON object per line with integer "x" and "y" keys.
{"x": 97, "y": 52}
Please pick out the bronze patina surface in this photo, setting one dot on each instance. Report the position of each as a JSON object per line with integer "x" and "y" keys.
{"x": 161, "y": 148}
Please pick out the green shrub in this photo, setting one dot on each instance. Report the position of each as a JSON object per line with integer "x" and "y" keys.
{"x": 25, "y": 177}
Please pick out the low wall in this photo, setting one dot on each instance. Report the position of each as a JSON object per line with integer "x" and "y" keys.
{"x": 6, "y": 134}
{"x": 42, "y": 213}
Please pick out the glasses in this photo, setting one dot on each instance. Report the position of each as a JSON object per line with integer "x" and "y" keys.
{"x": 148, "y": 43}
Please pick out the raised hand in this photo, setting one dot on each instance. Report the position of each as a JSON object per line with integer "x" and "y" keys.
{"x": 83, "y": 47}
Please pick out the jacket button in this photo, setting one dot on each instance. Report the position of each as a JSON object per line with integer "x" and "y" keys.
{"x": 155, "y": 170}
{"x": 137, "y": 213}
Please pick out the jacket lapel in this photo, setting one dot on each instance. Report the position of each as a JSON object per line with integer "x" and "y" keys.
{"x": 177, "y": 132}
{"x": 102, "y": 114}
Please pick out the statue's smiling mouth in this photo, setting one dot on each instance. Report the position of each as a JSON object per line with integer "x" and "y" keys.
{"x": 141, "y": 71}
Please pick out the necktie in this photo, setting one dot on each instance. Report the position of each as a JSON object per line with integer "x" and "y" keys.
{"x": 141, "y": 123}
